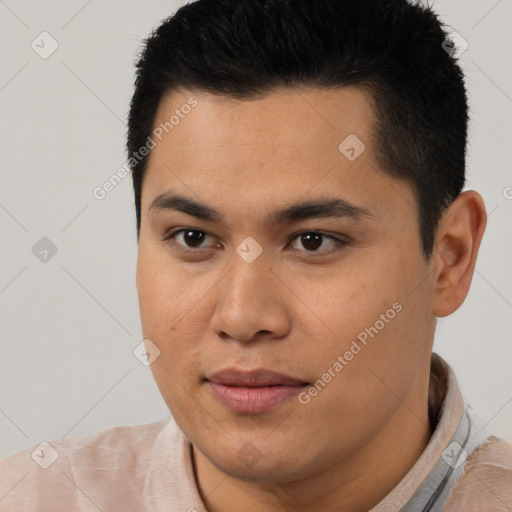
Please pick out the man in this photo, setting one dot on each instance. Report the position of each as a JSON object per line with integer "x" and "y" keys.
{"x": 298, "y": 171}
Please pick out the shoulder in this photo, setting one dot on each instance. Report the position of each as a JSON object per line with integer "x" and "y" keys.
{"x": 115, "y": 443}
{"x": 64, "y": 471}
{"x": 486, "y": 483}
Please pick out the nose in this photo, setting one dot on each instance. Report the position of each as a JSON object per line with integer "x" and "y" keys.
{"x": 250, "y": 303}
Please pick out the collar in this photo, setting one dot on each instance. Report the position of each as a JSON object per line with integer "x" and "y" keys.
{"x": 428, "y": 483}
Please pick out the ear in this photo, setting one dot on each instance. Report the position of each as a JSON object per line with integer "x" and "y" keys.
{"x": 458, "y": 238}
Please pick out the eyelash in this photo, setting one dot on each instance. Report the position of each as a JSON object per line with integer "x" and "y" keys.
{"x": 340, "y": 242}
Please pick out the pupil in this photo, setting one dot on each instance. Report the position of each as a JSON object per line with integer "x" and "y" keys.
{"x": 312, "y": 241}
{"x": 192, "y": 240}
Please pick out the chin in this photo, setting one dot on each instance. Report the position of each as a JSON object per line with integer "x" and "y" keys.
{"x": 251, "y": 463}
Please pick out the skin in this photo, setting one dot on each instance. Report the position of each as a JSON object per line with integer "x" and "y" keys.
{"x": 297, "y": 306}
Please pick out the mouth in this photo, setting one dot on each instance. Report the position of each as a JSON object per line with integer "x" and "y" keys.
{"x": 254, "y": 391}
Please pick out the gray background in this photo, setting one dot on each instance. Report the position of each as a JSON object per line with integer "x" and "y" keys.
{"x": 69, "y": 326}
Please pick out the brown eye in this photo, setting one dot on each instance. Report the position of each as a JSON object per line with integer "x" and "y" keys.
{"x": 188, "y": 238}
{"x": 193, "y": 237}
{"x": 312, "y": 241}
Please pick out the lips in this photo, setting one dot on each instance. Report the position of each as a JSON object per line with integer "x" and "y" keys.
{"x": 254, "y": 391}
{"x": 252, "y": 378}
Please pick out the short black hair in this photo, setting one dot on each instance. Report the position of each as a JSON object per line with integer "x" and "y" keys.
{"x": 394, "y": 48}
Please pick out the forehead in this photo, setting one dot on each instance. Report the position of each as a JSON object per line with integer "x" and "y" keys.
{"x": 285, "y": 117}
{"x": 280, "y": 146}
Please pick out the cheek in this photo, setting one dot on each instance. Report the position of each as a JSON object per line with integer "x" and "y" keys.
{"x": 381, "y": 304}
{"x": 163, "y": 291}
{"x": 353, "y": 296}
{"x": 172, "y": 309}
{"x": 166, "y": 312}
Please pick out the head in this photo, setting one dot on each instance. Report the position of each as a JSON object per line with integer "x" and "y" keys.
{"x": 299, "y": 209}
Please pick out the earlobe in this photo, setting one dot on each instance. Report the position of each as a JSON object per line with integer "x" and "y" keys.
{"x": 457, "y": 243}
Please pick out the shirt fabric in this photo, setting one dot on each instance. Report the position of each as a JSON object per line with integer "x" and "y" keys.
{"x": 149, "y": 468}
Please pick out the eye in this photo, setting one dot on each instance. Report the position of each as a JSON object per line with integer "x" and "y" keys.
{"x": 312, "y": 241}
{"x": 189, "y": 239}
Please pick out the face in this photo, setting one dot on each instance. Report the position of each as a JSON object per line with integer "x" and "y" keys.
{"x": 285, "y": 287}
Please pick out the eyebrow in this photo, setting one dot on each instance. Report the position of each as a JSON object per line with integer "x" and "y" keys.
{"x": 323, "y": 207}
